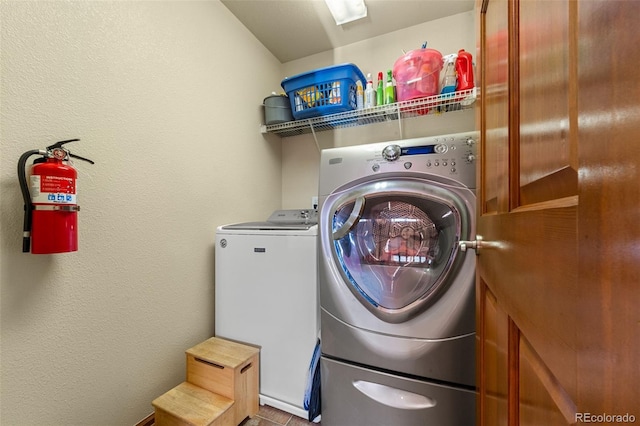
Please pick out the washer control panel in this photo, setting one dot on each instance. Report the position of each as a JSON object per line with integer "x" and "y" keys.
{"x": 449, "y": 155}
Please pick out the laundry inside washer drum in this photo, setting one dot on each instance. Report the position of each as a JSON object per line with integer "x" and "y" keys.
{"x": 396, "y": 253}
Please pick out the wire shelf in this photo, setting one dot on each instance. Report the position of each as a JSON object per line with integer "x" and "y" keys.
{"x": 400, "y": 110}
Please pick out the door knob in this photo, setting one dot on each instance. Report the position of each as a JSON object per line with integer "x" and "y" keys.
{"x": 474, "y": 245}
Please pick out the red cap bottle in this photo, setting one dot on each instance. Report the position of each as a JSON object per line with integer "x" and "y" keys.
{"x": 464, "y": 68}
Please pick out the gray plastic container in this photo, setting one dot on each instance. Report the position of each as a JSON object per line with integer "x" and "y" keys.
{"x": 277, "y": 109}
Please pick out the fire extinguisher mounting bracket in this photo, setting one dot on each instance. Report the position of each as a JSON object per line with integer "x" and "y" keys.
{"x": 57, "y": 208}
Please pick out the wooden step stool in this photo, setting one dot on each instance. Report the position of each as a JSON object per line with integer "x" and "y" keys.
{"x": 187, "y": 404}
{"x": 221, "y": 387}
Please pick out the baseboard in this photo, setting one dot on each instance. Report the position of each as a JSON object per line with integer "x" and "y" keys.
{"x": 281, "y": 405}
{"x": 147, "y": 421}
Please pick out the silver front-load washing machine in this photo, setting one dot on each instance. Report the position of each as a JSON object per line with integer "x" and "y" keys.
{"x": 396, "y": 293}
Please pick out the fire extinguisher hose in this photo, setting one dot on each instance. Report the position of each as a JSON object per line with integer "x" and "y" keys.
{"x": 28, "y": 205}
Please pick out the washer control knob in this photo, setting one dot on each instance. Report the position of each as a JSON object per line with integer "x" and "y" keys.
{"x": 471, "y": 142}
{"x": 441, "y": 148}
{"x": 471, "y": 158}
{"x": 391, "y": 152}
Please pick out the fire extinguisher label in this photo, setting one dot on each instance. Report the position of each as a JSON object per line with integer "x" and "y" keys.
{"x": 53, "y": 189}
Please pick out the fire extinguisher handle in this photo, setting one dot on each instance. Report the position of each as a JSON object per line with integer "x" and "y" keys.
{"x": 81, "y": 158}
{"x": 60, "y": 143}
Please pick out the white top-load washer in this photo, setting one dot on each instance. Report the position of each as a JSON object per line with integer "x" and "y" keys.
{"x": 266, "y": 295}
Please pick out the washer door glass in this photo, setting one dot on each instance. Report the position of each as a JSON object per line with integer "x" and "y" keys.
{"x": 397, "y": 250}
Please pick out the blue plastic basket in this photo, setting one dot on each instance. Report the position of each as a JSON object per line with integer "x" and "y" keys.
{"x": 323, "y": 91}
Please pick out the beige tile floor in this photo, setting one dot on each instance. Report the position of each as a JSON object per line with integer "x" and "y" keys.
{"x": 269, "y": 416}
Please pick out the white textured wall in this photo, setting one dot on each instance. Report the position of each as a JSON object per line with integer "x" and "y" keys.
{"x": 301, "y": 155}
{"x": 165, "y": 96}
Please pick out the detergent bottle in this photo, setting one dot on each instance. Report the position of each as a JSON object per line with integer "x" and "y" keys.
{"x": 464, "y": 68}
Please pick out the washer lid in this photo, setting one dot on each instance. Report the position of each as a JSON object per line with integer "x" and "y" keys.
{"x": 292, "y": 220}
{"x": 269, "y": 226}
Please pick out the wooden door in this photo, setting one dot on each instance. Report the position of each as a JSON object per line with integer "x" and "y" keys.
{"x": 549, "y": 339}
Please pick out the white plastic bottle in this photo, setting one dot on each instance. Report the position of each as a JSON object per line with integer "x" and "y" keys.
{"x": 449, "y": 81}
{"x": 369, "y": 93}
{"x": 359, "y": 95}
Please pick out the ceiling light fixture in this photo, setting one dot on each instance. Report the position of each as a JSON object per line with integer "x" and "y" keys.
{"x": 344, "y": 11}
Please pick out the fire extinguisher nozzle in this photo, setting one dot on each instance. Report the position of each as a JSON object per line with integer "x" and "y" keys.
{"x": 26, "y": 244}
{"x": 28, "y": 206}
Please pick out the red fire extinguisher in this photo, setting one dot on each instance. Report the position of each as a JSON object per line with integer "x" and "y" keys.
{"x": 50, "y": 204}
